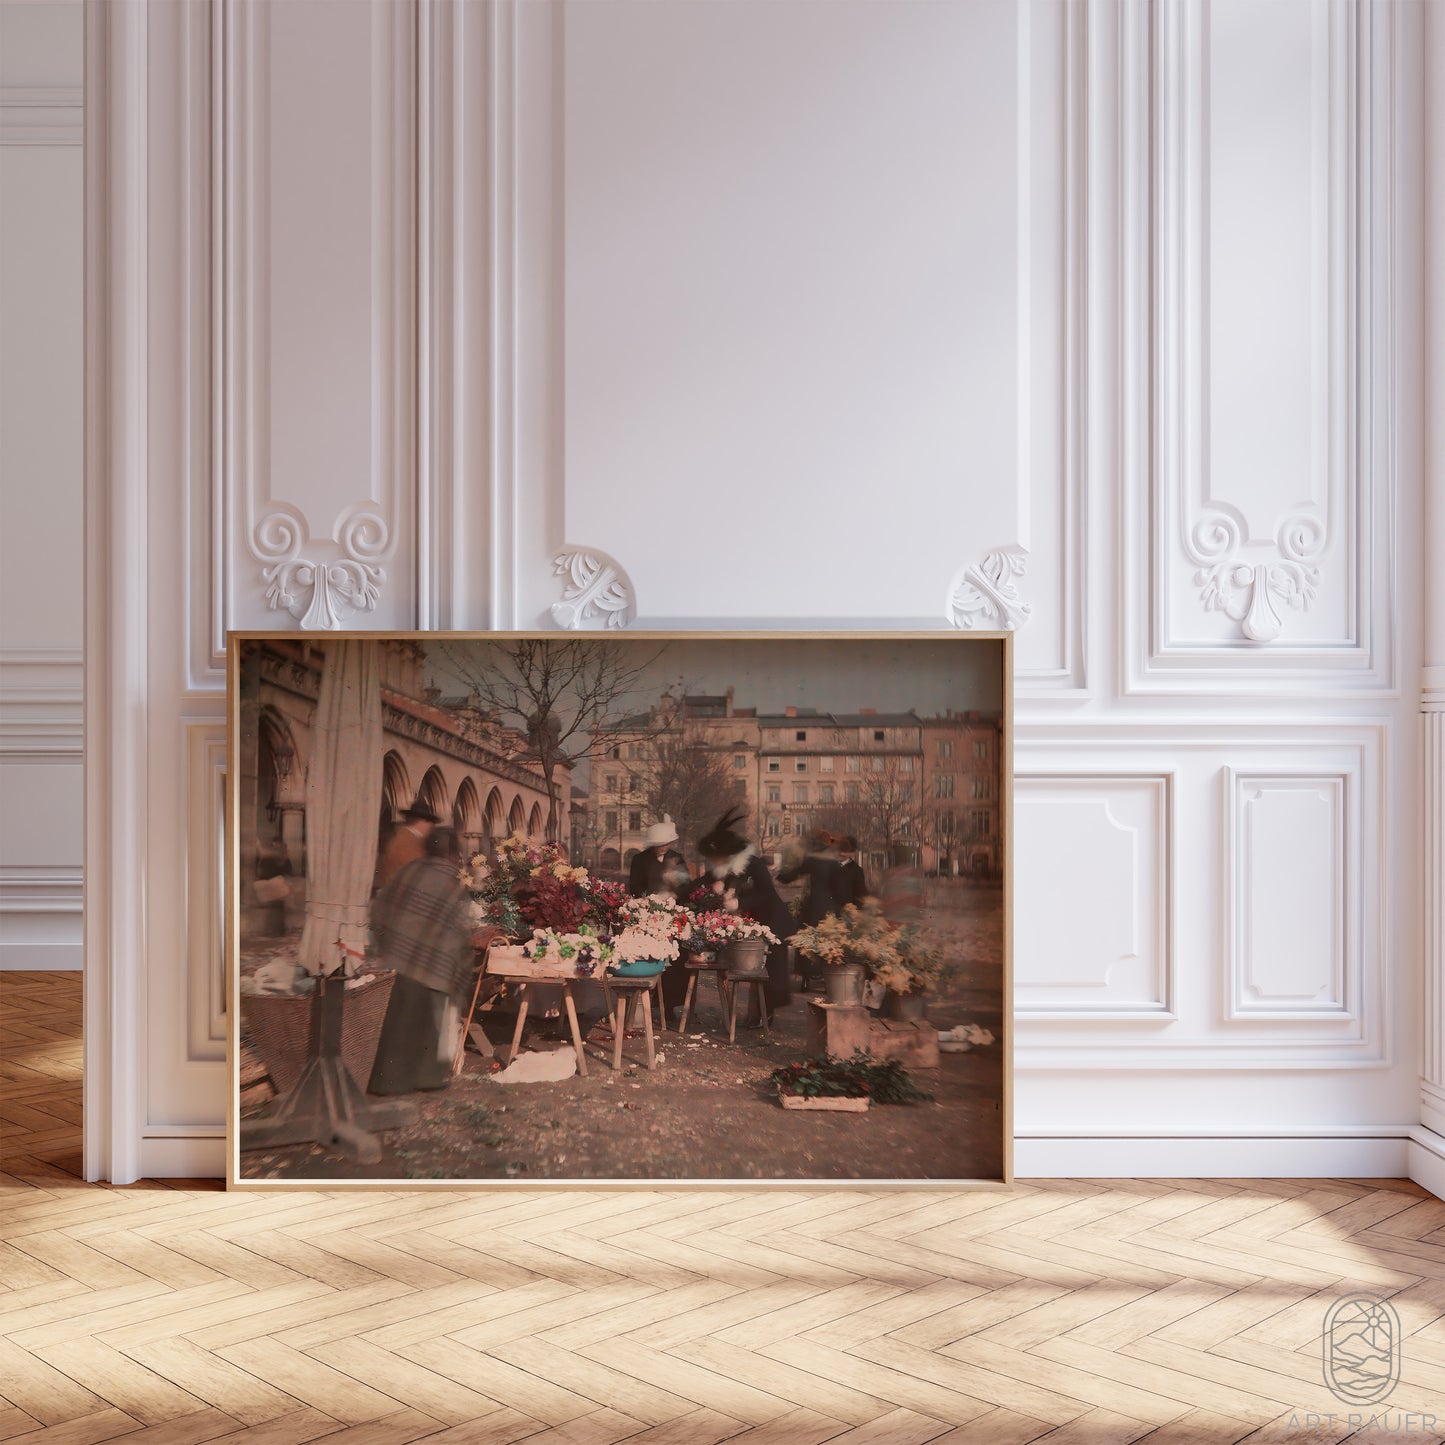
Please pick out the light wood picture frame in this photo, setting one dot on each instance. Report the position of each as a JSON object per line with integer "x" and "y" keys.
{"x": 373, "y": 1043}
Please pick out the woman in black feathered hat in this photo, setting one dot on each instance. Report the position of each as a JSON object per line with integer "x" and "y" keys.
{"x": 732, "y": 867}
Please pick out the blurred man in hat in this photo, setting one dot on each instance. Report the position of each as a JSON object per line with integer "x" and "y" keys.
{"x": 406, "y": 844}
{"x": 853, "y": 882}
{"x": 821, "y": 867}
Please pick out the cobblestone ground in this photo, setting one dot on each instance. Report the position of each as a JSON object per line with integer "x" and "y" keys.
{"x": 708, "y": 1111}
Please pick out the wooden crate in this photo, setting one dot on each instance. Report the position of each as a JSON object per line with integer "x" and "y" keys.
{"x": 836, "y": 1103}
{"x": 840, "y": 1028}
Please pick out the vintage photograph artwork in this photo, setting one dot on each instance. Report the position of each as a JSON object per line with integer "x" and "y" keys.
{"x": 658, "y": 907}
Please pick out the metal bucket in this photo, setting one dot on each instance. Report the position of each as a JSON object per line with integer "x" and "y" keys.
{"x": 843, "y": 983}
{"x": 745, "y": 955}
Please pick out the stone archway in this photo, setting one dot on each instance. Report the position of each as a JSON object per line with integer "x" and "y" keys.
{"x": 494, "y": 818}
{"x": 517, "y": 818}
{"x": 467, "y": 817}
{"x": 535, "y": 823}
{"x": 432, "y": 793}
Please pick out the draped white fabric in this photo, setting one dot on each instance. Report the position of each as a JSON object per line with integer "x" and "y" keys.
{"x": 343, "y": 803}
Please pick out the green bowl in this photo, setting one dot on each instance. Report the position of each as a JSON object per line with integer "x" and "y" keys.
{"x": 642, "y": 968}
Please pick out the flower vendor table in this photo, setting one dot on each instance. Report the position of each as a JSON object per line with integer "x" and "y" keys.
{"x": 505, "y": 963}
{"x": 524, "y": 983}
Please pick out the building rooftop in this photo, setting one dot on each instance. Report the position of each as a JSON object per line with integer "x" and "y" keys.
{"x": 841, "y": 719}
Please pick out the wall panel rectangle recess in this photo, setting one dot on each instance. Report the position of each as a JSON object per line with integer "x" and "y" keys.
{"x": 793, "y": 288}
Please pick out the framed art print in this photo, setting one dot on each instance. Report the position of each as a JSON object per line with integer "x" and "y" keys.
{"x": 618, "y": 908}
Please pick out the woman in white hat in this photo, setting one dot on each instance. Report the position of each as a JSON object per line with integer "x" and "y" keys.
{"x": 659, "y": 867}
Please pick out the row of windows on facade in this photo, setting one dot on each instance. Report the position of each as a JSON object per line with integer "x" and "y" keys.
{"x": 980, "y": 788}
{"x": 943, "y": 749}
{"x": 775, "y": 823}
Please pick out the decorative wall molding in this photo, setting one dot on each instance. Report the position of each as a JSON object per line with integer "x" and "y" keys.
{"x": 40, "y": 917}
{"x": 597, "y": 591}
{"x": 542, "y": 158}
{"x": 323, "y": 595}
{"x": 41, "y": 693}
{"x": 987, "y": 595}
{"x": 1101, "y": 842}
{"x": 1210, "y": 972}
{"x": 1260, "y": 488}
{"x": 40, "y": 889}
{"x": 1292, "y": 894}
{"x": 280, "y": 510}
{"x": 41, "y": 115}
{"x": 205, "y": 890}
{"x": 1252, "y": 592}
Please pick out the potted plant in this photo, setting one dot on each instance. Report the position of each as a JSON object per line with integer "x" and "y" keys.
{"x": 849, "y": 1085}
{"x": 737, "y": 940}
{"x": 910, "y": 976}
{"x": 649, "y": 931}
{"x": 850, "y": 945}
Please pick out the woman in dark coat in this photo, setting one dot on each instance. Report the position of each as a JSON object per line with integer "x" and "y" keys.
{"x": 422, "y": 930}
{"x": 734, "y": 870}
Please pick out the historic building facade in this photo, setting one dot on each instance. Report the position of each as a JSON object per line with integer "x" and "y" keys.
{"x": 923, "y": 789}
{"x": 475, "y": 774}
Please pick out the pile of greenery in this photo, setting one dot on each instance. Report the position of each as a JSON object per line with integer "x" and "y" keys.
{"x": 857, "y": 1078}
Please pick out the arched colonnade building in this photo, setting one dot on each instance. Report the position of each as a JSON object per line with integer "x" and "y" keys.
{"x": 476, "y": 775}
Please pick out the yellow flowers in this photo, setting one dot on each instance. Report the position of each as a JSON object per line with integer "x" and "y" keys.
{"x": 898, "y": 958}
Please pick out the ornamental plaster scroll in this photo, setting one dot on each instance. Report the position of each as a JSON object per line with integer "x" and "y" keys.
{"x": 322, "y": 595}
{"x": 987, "y": 596}
{"x": 1251, "y": 589}
{"x": 597, "y": 592}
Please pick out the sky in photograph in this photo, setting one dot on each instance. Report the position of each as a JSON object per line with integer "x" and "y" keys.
{"x": 841, "y": 675}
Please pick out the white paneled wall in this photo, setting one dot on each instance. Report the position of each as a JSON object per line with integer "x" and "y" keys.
{"x": 1096, "y": 321}
{"x": 42, "y": 570}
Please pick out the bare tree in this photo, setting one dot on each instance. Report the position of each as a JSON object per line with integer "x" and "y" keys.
{"x": 887, "y": 811}
{"x": 571, "y": 697}
{"x": 681, "y": 775}
{"x": 946, "y": 823}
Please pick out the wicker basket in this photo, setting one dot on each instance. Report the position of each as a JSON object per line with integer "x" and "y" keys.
{"x": 279, "y": 1027}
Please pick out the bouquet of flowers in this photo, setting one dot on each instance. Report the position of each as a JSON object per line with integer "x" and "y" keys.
{"x": 603, "y": 899}
{"x": 918, "y": 968}
{"x": 647, "y": 937}
{"x": 655, "y": 906}
{"x": 856, "y": 935}
{"x": 717, "y": 928}
{"x": 586, "y": 949}
{"x": 526, "y": 886}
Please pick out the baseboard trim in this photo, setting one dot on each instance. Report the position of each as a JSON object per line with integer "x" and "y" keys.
{"x": 183, "y": 1156}
{"x": 1426, "y": 1158}
{"x": 1348, "y": 1154}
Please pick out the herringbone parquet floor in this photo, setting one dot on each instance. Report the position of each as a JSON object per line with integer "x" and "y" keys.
{"x": 1077, "y": 1313}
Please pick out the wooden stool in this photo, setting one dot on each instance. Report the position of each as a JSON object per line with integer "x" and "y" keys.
{"x": 736, "y": 983}
{"x": 719, "y": 973}
{"x": 630, "y": 992}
